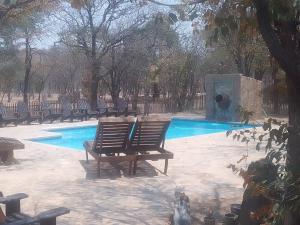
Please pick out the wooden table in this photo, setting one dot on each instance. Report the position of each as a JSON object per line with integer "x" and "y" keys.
{"x": 7, "y": 147}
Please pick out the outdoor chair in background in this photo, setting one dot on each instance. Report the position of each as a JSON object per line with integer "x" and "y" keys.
{"x": 110, "y": 143}
{"x": 103, "y": 109}
{"x": 147, "y": 140}
{"x": 14, "y": 216}
{"x": 121, "y": 108}
{"x": 68, "y": 113}
{"x": 24, "y": 114}
{"x": 85, "y": 107}
{"x": 7, "y": 116}
{"x": 49, "y": 112}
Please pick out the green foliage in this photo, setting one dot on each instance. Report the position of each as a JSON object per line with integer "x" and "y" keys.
{"x": 245, "y": 115}
{"x": 273, "y": 139}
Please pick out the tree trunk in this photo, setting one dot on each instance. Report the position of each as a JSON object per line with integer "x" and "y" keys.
{"x": 275, "y": 92}
{"x": 135, "y": 98}
{"x": 95, "y": 69}
{"x": 28, "y": 58}
{"x": 275, "y": 97}
{"x": 294, "y": 128}
{"x": 9, "y": 96}
{"x": 293, "y": 148}
{"x": 115, "y": 96}
{"x": 94, "y": 92}
{"x": 114, "y": 79}
{"x": 288, "y": 59}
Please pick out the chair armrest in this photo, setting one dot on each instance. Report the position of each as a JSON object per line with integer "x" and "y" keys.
{"x": 12, "y": 198}
{"x": 27, "y": 221}
{"x": 106, "y": 108}
{"x": 12, "y": 203}
{"x": 46, "y": 110}
{"x": 85, "y": 111}
{"x": 49, "y": 217}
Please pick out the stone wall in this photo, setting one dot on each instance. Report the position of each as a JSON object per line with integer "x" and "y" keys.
{"x": 226, "y": 92}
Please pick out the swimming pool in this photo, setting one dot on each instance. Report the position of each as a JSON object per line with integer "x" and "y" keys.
{"x": 179, "y": 128}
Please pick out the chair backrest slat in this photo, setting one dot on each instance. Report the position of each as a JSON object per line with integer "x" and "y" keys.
{"x": 112, "y": 134}
{"x": 22, "y": 109}
{"x": 122, "y": 105}
{"x": 149, "y": 134}
{"x": 101, "y": 105}
{"x": 66, "y": 107}
{"x": 82, "y": 104}
{"x": 7, "y": 111}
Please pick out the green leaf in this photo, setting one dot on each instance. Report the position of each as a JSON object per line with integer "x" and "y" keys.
{"x": 258, "y": 146}
{"x": 260, "y": 138}
{"x": 173, "y": 17}
{"x": 234, "y": 136}
{"x": 224, "y": 31}
{"x": 193, "y": 15}
{"x": 229, "y": 132}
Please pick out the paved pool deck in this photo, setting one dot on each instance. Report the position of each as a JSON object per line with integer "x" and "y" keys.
{"x": 54, "y": 176}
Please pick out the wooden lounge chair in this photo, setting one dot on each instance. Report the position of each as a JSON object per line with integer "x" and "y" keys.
{"x": 49, "y": 112}
{"x": 147, "y": 140}
{"x": 69, "y": 113}
{"x": 14, "y": 216}
{"x": 7, "y": 116}
{"x": 111, "y": 141}
{"x": 24, "y": 114}
{"x": 122, "y": 108}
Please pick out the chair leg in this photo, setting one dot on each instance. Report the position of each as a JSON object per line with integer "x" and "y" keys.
{"x": 87, "y": 156}
{"x": 50, "y": 221}
{"x": 166, "y": 166}
{"x": 134, "y": 167}
{"x": 98, "y": 166}
{"x": 130, "y": 167}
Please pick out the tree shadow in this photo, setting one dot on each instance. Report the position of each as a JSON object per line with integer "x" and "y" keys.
{"x": 217, "y": 205}
{"x": 116, "y": 170}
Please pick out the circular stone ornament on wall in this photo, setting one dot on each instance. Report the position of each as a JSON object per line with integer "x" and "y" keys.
{"x": 223, "y": 101}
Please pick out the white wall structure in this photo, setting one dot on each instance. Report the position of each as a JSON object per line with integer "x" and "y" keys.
{"x": 225, "y": 93}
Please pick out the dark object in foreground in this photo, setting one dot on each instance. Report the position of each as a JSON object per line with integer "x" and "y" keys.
{"x": 14, "y": 216}
{"x": 182, "y": 214}
{"x": 7, "y": 147}
{"x": 209, "y": 219}
{"x": 257, "y": 203}
{"x": 230, "y": 219}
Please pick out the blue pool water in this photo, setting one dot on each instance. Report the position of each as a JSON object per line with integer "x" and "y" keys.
{"x": 75, "y": 137}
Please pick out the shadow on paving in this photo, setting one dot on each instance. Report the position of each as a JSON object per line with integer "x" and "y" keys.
{"x": 110, "y": 202}
{"x": 116, "y": 170}
{"x": 216, "y": 204}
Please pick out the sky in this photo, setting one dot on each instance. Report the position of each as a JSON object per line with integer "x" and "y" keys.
{"x": 52, "y": 26}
